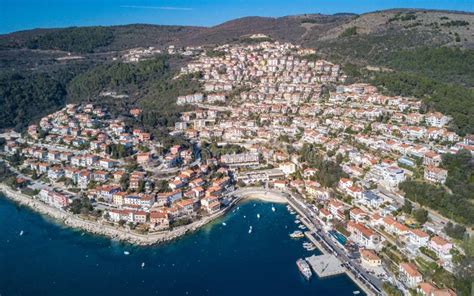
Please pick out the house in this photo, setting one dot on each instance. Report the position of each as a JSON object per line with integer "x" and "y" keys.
{"x": 358, "y": 215}
{"x": 428, "y": 289}
{"x": 363, "y": 236}
{"x": 143, "y": 158}
{"x": 334, "y": 206}
{"x": 159, "y": 219}
{"x": 325, "y": 215}
{"x": 370, "y": 259}
{"x": 431, "y": 159}
{"x": 435, "y": 174}
{"x": 440, "y": 246}
{"x": 418, "y": 237}
{"x": 410, "y": 275}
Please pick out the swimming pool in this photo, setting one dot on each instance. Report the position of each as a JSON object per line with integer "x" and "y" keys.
{"x": 338, "y": 236}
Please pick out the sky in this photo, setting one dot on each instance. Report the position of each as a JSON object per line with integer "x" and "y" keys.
{"x": 18, "y": 15}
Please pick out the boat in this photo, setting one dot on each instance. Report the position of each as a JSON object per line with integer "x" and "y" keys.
{"x": 143, "y": 264}
{"x": 21, "y": 233}
{"x": 302, "y": 227}
{"x": 296, "y": 234}
{"x": 356, "y": 292}
{"x": 126, "y": 252}
{"x": 273, "y": 209}
{"x": 297, "y": 221}
{"x": 224, "y": 224}
{"x": 258, "y": 216}
{"x": 250, "y": 229}
{"x": 304, "y": 268}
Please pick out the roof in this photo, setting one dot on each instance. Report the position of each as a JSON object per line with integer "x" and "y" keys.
{"x": 369, "y": 254}
{"x": 410, "y": 269}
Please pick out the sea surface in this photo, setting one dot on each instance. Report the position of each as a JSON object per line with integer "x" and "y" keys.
{"x": 49, "y": 259}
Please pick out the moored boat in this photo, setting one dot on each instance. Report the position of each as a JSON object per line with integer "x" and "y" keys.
{"x": 304, "y": 268}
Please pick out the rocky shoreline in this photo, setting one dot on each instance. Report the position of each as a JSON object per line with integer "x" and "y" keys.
{"x": 102, "y": 229}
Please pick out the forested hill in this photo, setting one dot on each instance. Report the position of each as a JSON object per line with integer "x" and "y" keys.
{"x": 427, "y": 54}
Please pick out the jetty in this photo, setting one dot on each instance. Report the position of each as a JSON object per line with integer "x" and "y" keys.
{"x": 325, "y": 265}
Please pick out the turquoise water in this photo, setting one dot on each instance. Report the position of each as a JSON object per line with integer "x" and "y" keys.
{"x": 217, "y": 260}
{"x": 339, "y": 237}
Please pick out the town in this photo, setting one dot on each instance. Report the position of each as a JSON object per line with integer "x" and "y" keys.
{"x": 270, "y": 115}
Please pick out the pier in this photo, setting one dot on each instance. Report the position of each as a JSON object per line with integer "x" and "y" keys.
{"x": 325, "y": 265}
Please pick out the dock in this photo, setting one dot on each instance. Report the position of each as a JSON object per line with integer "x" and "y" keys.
{"x": 325, "y": 265}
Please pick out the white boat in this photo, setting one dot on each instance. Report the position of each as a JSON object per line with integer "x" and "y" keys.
{"x": 357, "y": 292}
{"x": 224, "y": 224}
{"x": 258, "y": 216}
{"x": 245, "y": 216}
{"x": 297, "y": 221}
{"x": 143, "y": 264}
{"x": 302, "y": 227}
{"x": 296, "y": 234}
{"x": 21, "y": 233}
{"x": 304, "y": 268}
{"x": 273, "y": 209}
{"x": 126, "y": 252}
{"x": 250, "y": 229}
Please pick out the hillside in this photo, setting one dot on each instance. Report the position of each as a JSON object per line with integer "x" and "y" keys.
{"x": 424, "y": 48}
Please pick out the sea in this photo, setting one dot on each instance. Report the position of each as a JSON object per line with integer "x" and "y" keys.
{"x": 40, "y": 257}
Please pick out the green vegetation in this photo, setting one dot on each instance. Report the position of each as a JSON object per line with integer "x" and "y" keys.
{"x": 409, "y": 16}
{"x": 351, "y": 31}
{"x": 391, "y": 290}
{"x": 82, "y": 40}
{"x": 151, "y": 85}
{"x": 81, "y": 206}
{"x": 456, "y": 23}
{"x": 445, "y": 64}
{"x": 429, "y": 253}
{"x": 455, "y": 231}
{"x": 450, "y": 99}
{"x": 328, "y": 172}
{"x": 117, "y": 76}
{"x": 212, "y": 150}
{"x": 28, "y": 97}
{"x": 458, "y": 204}
{"x": 421, "y": 216}
{"x": 215, "y": 53}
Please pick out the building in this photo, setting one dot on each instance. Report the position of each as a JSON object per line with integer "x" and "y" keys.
{"x": 410, "y": 275}
{"x": 440, "y": 246}
{"x": 369, "y": 259}
{"x": 363, "y": 236}
{"x": 435, "y": 174}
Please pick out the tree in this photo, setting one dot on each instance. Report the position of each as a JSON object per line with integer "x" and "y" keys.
{"x": 421, "y": 215}
{"x": 455, "y": 231}
{"x": 407, "y": 207}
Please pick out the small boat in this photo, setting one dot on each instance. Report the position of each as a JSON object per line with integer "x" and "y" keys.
{"x": 304, "y": 268}
{"x": 143, "y": 265}
{"x": 245, "y": 216}
{"x": 258, "y": 216}
{"x": 302, "y": 227}
{"x": 224, "y": 224}
{"x": 273, "y": 209}
{"x": 296, "y": 234}
{"x": 126, "y": 252}
{"x": 357, "y": 292}
{"x": 21, "y": 233}
{"x": 297, "y": 221}
{"x": 250, "y": 229}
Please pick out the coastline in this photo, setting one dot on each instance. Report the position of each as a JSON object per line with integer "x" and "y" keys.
{"x": 99, "y": 228}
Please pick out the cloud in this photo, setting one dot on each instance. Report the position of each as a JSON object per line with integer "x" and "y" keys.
{"x": 157, "y": 7}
